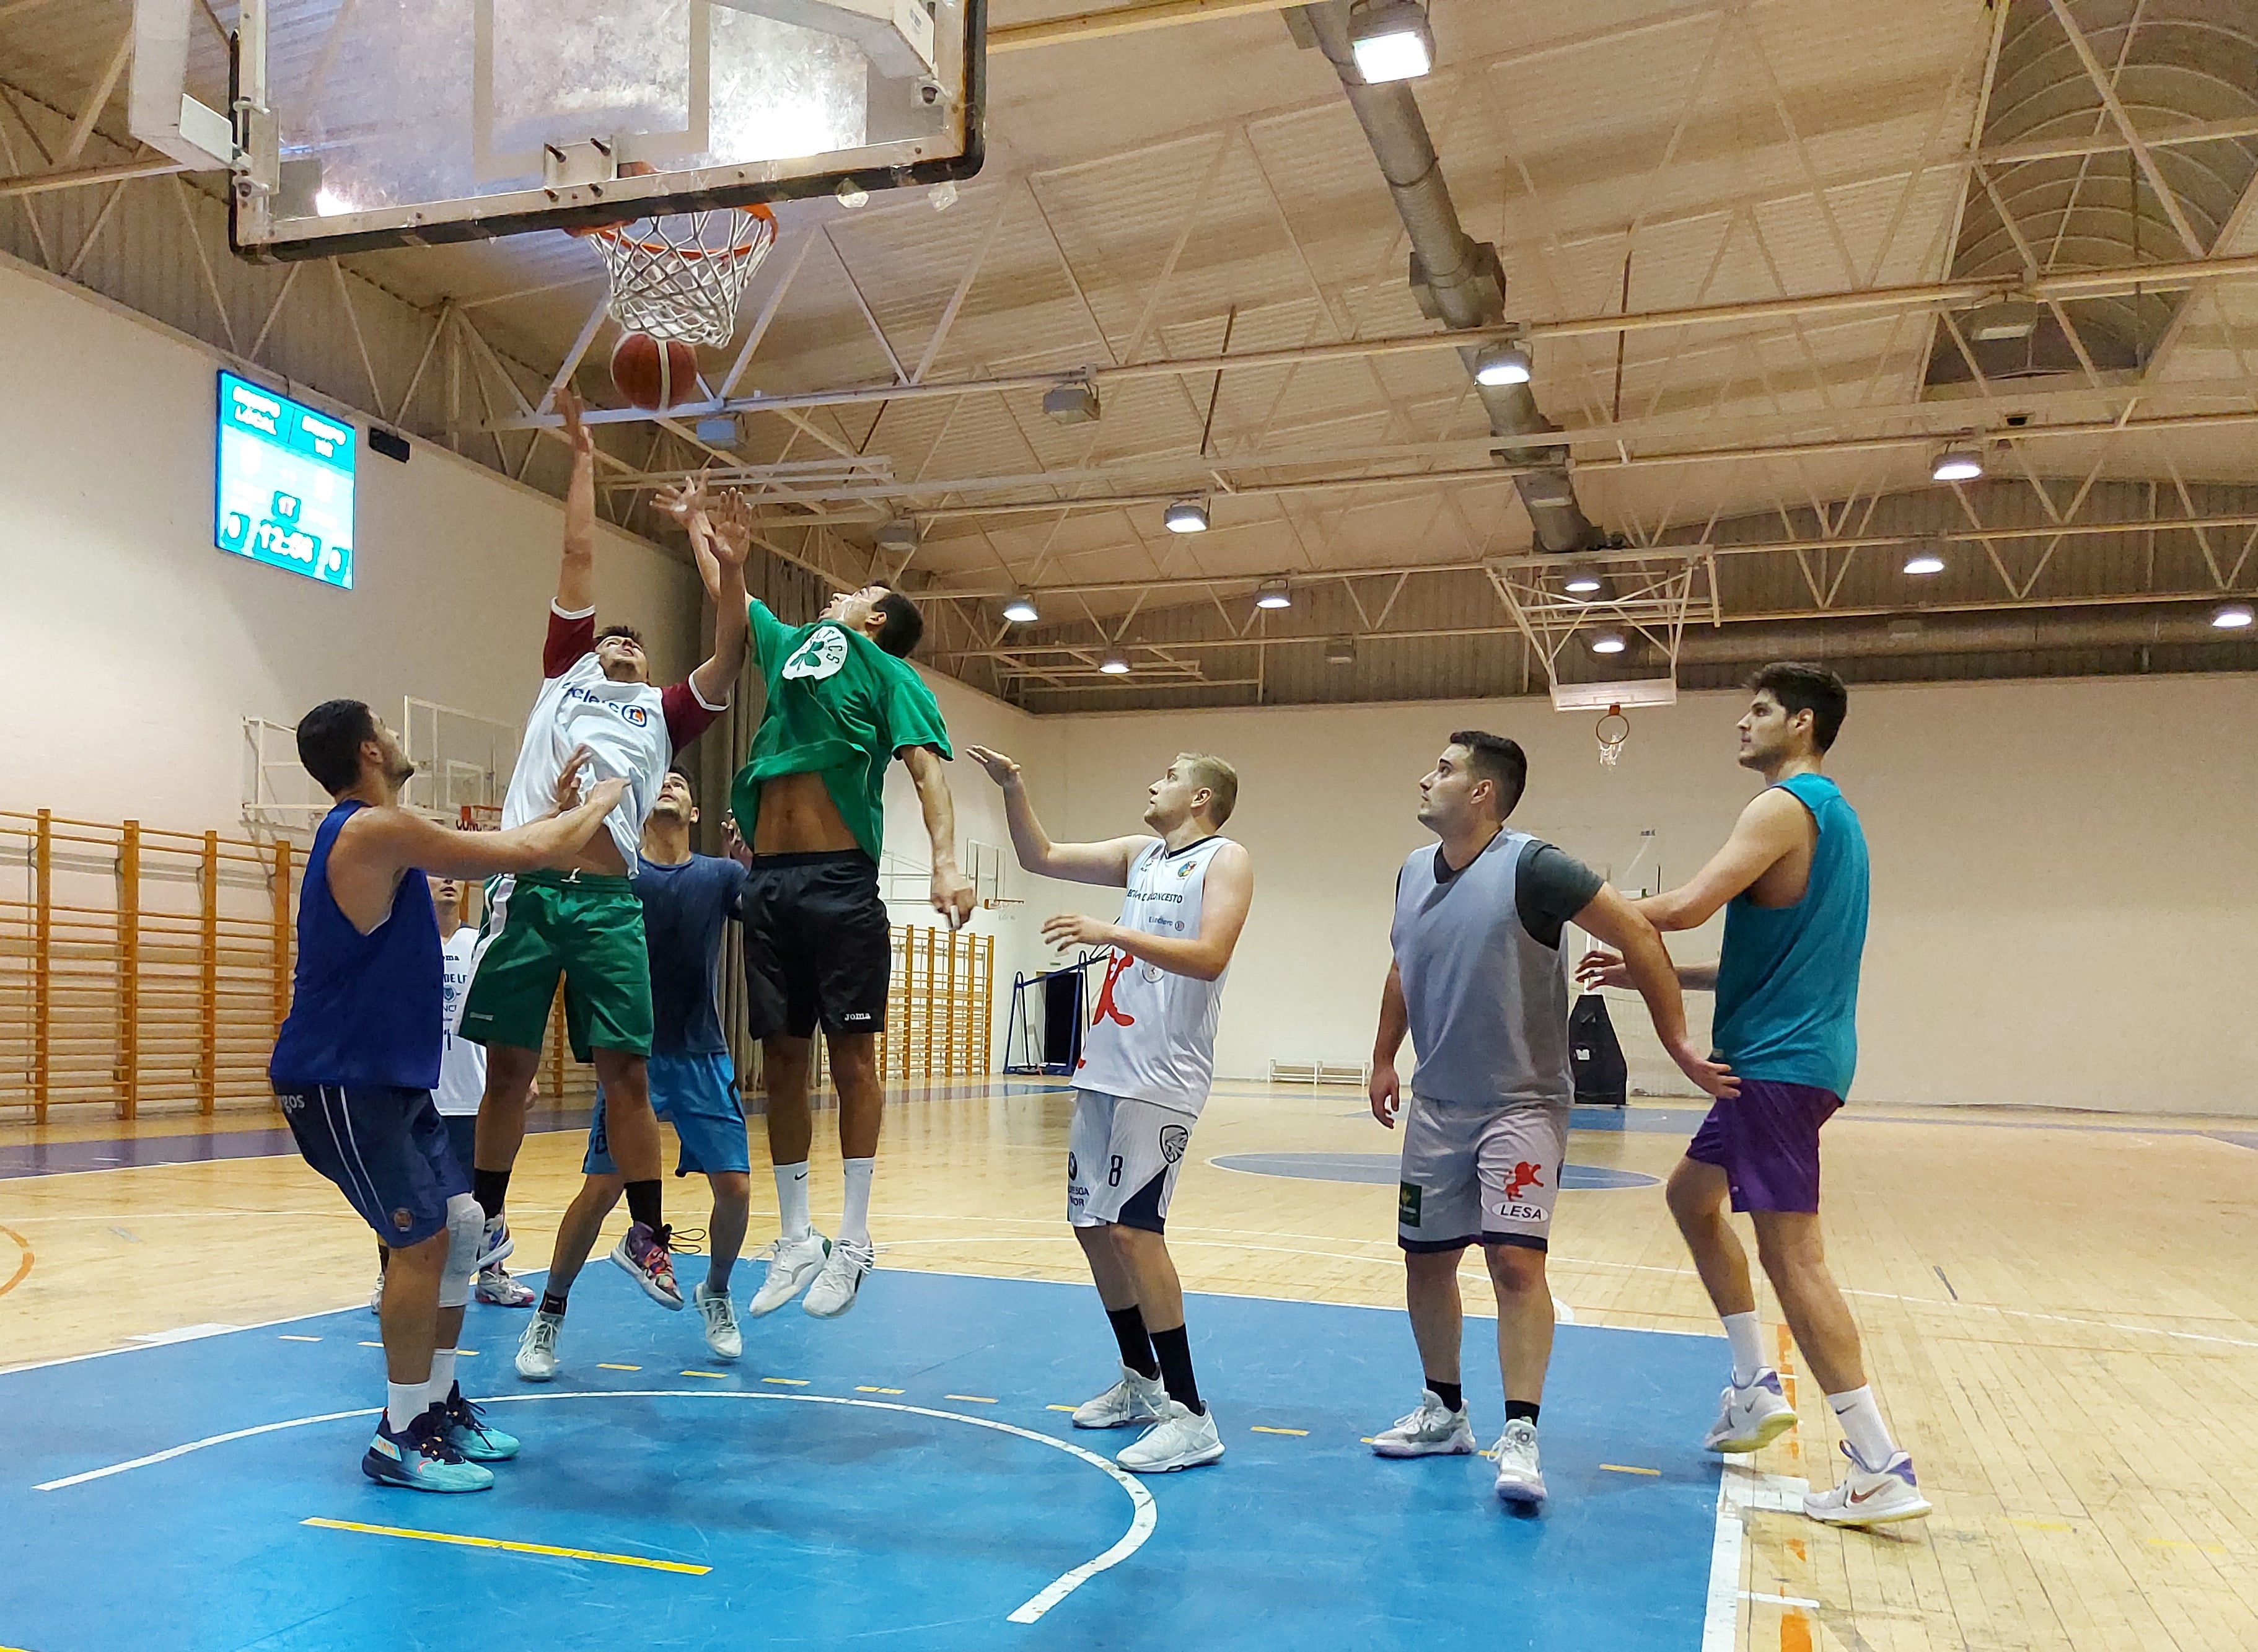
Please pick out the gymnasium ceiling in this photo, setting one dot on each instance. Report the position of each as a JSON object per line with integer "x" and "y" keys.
{"x": 1751, "y": 246}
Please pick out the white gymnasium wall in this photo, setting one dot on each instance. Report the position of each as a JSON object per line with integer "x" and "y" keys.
{"x": 136, "y": 649}
{"x": 2066, "y": 874}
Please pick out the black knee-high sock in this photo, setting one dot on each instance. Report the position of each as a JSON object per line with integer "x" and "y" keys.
{"x": 1174, "y": 1350}
{"x": 1136, "y": 1343}
{"x": 643, "y": 1203}
{"x": 490, "y": 1188}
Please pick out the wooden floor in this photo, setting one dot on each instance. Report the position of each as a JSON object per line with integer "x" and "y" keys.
{"x": 2061, "y": 1317}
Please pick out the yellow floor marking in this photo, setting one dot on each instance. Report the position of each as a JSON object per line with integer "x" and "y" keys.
{"x": 2039, "y": 1525}
{"x": 1364, "y": 1440}
{"x": 300, "y": 1339}
{"x": 864, "y": 1387}
{"x": 1622, "y": 1468}
{"x": 1258, "y": 1428}
{"x": 1070, "y": 1410}
{"x": 2182, "y": 1543}
{"x": 515, "y": 1549}
{"x": 466, "y": 1353}
{"x": 364, "y": 1344}
{"x": 717, "y": 1374}
{"x": 607, "y": 1366}
{"x": 793, "y": 1382}
{"x": 974, "y": 1399}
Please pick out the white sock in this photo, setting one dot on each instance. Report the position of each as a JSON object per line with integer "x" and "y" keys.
{"x": 855, "y": 1223}
{"x": 403, "y": 1403}
{"x": 442, "y": 1377}
{"x": 1747, "y": 1338}
{"x": 1862, "y": 1424}
{"x": 791, "y": 1200}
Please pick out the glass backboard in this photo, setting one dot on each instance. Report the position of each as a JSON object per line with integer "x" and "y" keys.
{"x": 383, "y": 122}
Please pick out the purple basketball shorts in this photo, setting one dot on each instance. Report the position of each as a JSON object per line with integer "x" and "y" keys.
{"x": 1766, "y": 1141}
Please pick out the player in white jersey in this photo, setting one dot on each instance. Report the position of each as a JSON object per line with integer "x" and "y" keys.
{"x": 462, "y": 1082}
{"x": 584, "y": 923}
{"x": 1148, "y": 1056}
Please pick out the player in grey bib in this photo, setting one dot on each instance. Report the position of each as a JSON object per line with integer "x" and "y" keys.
{"x": 1481, "y": 986}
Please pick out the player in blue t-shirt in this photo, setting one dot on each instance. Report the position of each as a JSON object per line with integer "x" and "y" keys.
{"x": 685, "y": 900}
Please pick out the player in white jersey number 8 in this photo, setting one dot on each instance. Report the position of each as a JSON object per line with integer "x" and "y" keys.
{"x": 1147, "y": 1056}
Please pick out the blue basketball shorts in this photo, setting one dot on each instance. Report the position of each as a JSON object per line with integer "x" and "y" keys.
{"x": 386, "y": 1149}
{"x": 697, "y": 1095}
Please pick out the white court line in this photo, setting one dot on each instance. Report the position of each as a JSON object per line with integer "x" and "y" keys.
{"x": 1741, "y": 1491}
{"x": 1142, "y": 1521}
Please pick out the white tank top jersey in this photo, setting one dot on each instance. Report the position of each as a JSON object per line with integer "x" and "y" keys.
{"x": 624, "y": 725}
{"x": 1152, "y": 1033}
{"x": 462, "y": 1064}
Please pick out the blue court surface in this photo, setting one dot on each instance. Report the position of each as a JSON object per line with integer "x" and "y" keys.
{"x": 898, "y": 1478}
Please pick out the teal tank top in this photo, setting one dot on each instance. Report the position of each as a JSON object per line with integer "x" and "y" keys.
{"x": 1787, "y": 981}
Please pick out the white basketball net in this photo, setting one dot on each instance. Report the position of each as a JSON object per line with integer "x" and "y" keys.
{"x": 681, "y": 276}
{"x": 1611, "y": 739}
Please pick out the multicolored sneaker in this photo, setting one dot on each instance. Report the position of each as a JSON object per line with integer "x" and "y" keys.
{"x": 498, "y": 1288}
{"x": 642, "y": 1252}
{"x": 1432, "y": 1430}
{"x": 420, "y": 1459}
{"x": 468, "y": 1431}
{"x": 1869, "y": 1497}
{"x": 494, "y": 1243}
{"x": 1750, "y": 1419}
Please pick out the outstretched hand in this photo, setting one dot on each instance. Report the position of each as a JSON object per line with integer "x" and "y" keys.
{"x": 1063, "y": 929}
{"x": 1001, "y": 769}
{"x": 1600, "y": 968}
{"x": 567, "y": 794}
{"x": 576, "y": 433}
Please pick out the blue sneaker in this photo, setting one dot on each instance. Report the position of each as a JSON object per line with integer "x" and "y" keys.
{"x": 469, "y": 1432}
{"x": 420, "y": 1459}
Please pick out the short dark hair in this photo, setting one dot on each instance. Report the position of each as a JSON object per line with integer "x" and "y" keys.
{"x": 627, "y": 631}
{"x": 683, "y": 774}
{"x": 904, "y": 624}
{"x": 1807, "y": 688}
{"x": 329, "y": 739}
{"x": 1498, "y": 760}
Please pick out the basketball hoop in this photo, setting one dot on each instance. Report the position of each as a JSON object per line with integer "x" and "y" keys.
{"x": 680, "y": 276}
{"x": 1611, "y": 740}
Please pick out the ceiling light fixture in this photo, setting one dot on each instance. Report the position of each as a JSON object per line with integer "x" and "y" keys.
{"x": 1020, "y": 610}
{"x": 2232, "y": 616}
{"x": 1582, "y": 582}
{"x": 1116, "y": 663}
{"x": 1273, "y": 594}
{"x": 1392, "y": 39}
{"x": 1956, "y": 464}
{"x": 1497, "y": 364}
{"x": 1926, "y": 559}
{"x": 1186, "y": 516}
{"x": 1608, "y": 643}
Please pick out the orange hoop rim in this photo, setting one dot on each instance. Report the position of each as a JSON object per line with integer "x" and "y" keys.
{"x": 1599, "y": 728}
{"x": 758, "y": 212}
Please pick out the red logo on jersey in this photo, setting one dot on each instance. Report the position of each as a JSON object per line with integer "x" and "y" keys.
{"x": 1116, "y": 966}
{"x": 1525, "y": 1176}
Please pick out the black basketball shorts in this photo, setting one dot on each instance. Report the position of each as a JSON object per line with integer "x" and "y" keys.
{"x": 818, "y": 951}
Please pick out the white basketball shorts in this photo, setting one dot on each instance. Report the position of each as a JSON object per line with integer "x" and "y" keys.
{"x": 1479, "y": 1175}
{"x": 1122, "y": 1159}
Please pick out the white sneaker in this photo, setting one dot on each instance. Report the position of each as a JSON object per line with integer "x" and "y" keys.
{"x": 495, "y": 1244}
{"x": 1519, "y": 1481}
{"x": 792, "y": 1264}
{"x": 1135, "y": 1399}
{"x": 497, "y": 1287}
{"x": 1433, "y": 1431}
{"x": 376, "y": 1296}
{"x": 833, "y": 1293}
{"x": 1750, "y": 1419}
{"x": 721, "y": 1317}
{"x": 536, "y": 1349}
{"x": 1179, "y": 1440}
{"x": 1869, "y": 1497}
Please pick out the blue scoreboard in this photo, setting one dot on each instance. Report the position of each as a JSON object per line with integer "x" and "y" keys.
{"x": 285, "y": 494}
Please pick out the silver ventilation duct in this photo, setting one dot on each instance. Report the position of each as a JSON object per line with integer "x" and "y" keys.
{"x": 1462, "y": 284}
{"x": 2181, "y": 624}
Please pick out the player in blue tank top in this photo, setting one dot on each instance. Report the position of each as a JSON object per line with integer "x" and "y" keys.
{"x": 355, "y": 1062}
{"x": 1792, "y": 880}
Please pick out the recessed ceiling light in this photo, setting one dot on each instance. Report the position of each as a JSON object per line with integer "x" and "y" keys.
{"x": 1273, "y": 594}
{"x": 1020, "y": 610}
{"x": 1186, "y": 516}
{"x": 1115, "y": 665}
{"x": 2232, "y": 616}
{"x": 1392, "y": 41}
{"x": 1501, "y": 364}
{"x": 1608, "y": 643}
{"x": 1956, "y": 464}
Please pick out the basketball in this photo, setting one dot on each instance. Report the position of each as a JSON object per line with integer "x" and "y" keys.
{"x": 652, "y": 373}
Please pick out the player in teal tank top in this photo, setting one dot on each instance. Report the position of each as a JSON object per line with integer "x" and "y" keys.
{"x": 1792, "y": 882}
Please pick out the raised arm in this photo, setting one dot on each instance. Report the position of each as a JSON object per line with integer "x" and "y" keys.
{"x": 1646, "y": 967}
{"x": 576, "y": 573}
{"x": 719, "y": 544}
{"x": 1107, "y": 862}
{"x": 1774, "y": 826}
{"x": 1386, "y": 1089}
{"x": 1223, "y": 907}
{"x": 952, "y": 890}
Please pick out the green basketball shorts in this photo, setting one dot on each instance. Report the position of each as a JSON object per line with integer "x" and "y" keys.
{"x": 581, "y": 925}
